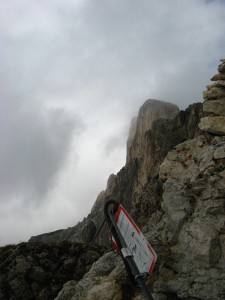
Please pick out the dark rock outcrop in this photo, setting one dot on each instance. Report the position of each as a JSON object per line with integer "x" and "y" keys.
{"x": 83, "y": 232}
{"x": 38, "y": 270}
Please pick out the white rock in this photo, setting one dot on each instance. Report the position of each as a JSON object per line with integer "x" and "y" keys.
{"x": 219, "y": 153}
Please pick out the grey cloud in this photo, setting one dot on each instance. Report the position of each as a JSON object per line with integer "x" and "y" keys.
{"x": 99, "y": 60}
{"x": 34, "y": 149}
{"x": 103, "y": 48}
{"x": 115, "y": 141}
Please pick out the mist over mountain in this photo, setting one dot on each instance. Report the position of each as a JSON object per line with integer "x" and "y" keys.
{"x": 73, "y": 74}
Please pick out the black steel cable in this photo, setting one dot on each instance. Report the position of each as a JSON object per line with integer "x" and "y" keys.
{"x": 94, "y": 238}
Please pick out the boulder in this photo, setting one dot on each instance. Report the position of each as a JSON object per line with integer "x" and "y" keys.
{"x": 215, "y": 124}
{"x": 106, "y": 280}
{"x": 220, "y": 152}
{"x": 38, "y": 270}
{"x": 216, "y": 107}
{"x": 214, "y": 93}
{"x": 218, "y": 83}
{"x": 221, "y": 67}
{"x": 218, "y": 77}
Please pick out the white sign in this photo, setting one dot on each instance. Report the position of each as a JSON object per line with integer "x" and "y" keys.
{"x": 143, "y": 254}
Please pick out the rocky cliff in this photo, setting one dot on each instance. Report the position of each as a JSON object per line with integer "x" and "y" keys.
{"x": 173, "y": 184}
{"x": 158, "y": 127}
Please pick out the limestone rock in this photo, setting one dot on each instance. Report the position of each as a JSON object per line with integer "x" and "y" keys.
{"x": 68, "y": 291}
{"x": 218, "y": 83}
{"x": 216, "y": 107}
{"x": 106, "y": 280}
{"x": 220, "y": 152}
{"x": 153, "y": 140}
{"x": 150, "y": 111}
{"x": 213, "y": 124}
{"x": 194, "y": 206}
{"x": 111, "y": 184}
{"x": 214, "y": 93}
{"x": 218, "y": 77}
{"x": 103, "y": 282}
{"x": 131, "y": 135}
{"x": 221, "y": 67}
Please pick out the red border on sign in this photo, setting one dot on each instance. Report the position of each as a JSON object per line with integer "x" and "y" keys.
{"x": 154, "y": 258}
{"x": 121, "y": 208}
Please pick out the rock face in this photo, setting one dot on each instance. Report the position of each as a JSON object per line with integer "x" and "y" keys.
{"x": 152, "y": 115}
{"x": 150, "y": 111}
{"x": 194, "y": 206}
{"x": 39, "y": 270}
{"x": 214, "y": 105}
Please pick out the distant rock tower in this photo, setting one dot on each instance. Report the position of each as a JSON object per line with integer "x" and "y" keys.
{"x": 214, "y": 104}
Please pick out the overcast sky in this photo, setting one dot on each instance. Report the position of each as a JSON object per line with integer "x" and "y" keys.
{"x": 73, "y": 73}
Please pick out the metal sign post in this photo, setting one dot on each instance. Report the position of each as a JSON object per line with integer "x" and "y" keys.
{"x": 110, "y": 209}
